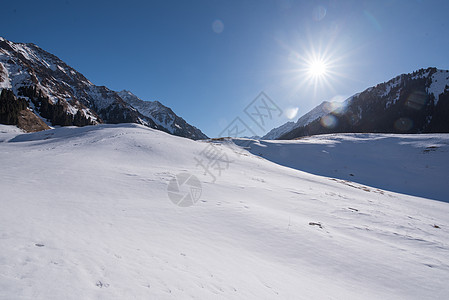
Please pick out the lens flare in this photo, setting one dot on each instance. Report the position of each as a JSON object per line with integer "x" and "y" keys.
{"x": 218, "y": 26}
{"x": 319, "y": 12}
{"x": 336, "y": 108}
{"x": 329, "y": 121}
{"x": 416, "y": 100}
{"x": 403, "y": 124}
{"x": 291, "y": 113}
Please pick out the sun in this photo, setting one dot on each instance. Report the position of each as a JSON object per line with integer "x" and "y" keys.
{"x": 317, "y": 68}
{"x": 315, "y": 65}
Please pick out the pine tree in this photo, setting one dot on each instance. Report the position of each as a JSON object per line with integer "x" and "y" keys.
{"x": 10, "y": 106}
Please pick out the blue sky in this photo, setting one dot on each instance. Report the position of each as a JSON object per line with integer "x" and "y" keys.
{"x": 208, "y": 60}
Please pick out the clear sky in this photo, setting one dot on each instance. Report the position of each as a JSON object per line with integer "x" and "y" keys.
{"x": 208, "y": 60}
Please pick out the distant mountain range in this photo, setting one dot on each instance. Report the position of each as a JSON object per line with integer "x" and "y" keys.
{"x": 417, "y": 102}
{"x": 59, "y": 95}
{"x": 316, "y": 113}
{"x": 40, "y": 90}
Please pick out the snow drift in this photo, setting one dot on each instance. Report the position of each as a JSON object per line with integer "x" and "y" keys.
{"x": 85, "y": 215}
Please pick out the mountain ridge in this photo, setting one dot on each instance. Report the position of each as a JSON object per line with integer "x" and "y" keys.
{"x": 161, "y": 115}
{"x": 61, "y": 95}
{"x": 416, "y": 102}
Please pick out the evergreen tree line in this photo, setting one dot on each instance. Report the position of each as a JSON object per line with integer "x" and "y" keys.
{"x": 55, "y": 113}
{"x": 10, "y": 106}
{"x": 415, "y": 111}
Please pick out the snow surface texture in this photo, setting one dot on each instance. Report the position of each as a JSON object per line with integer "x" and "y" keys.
{"x": 85, "y": 215}
{"x": 415, "y": 164}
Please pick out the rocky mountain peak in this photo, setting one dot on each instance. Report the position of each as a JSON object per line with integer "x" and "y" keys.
{"x": 60, "y": 95}
{"x": 416, "y": 102}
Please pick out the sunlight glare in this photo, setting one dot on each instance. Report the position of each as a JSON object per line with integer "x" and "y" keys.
{"x": 315, "y": 65}
{"x": 317, "y": 68}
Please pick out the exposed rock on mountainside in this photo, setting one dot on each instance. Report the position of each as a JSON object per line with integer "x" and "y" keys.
{"x": 62, "y": 96}
{"x": 162, "y": 116}
{"x": 15, "y": 111}
{"x": 410, "y": 103}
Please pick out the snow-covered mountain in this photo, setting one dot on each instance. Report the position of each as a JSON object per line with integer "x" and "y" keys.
{"x": 85, "y": 214}
{"x": 279, "y": 131}
{"x": 316, "y": 113}
{"x": 319, "y": 111}
{"x": 417, "y": 102}
{"x": 62, "y": 96}
{"x": 162, "y": 116}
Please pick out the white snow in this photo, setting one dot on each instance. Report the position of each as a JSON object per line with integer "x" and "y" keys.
{"x": 439, "y": 81}
{"x": 421, "y": 74}
{"x": 103, "y": 96}
{"x": 85, "y": 215}
{"x": 415, "y": 164}
{"x": 390, "y": 85}
{"x": 8, "y": 132}
{"x": 61, "y": 69}
{"x": 5, "y": 83}
{"x": 14, "y": 75}
{"x": 151, "y": 109}
{"x": 395, "y": 82}
{"x": 279, "y": 131}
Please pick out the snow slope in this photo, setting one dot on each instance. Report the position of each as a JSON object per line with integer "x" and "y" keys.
{"x": 85, "y": 215}
{"x": 413, "y": 164}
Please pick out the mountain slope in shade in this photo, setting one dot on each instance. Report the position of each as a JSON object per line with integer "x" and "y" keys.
{"x": 162, "y": 116}
{"x": 279, "y": 131}
{"x": 319, "y": 111}
{"x": 412, "y": 164}
{"x": 62, "y": 96}
{"x": 410, "y": 103}
{"x": 316, "y": 113}
{"x": 15, "y": 111}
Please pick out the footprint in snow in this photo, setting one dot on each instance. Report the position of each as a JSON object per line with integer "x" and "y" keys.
{"x": 101, "y": 284}
{"x": 316, "y": 224}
